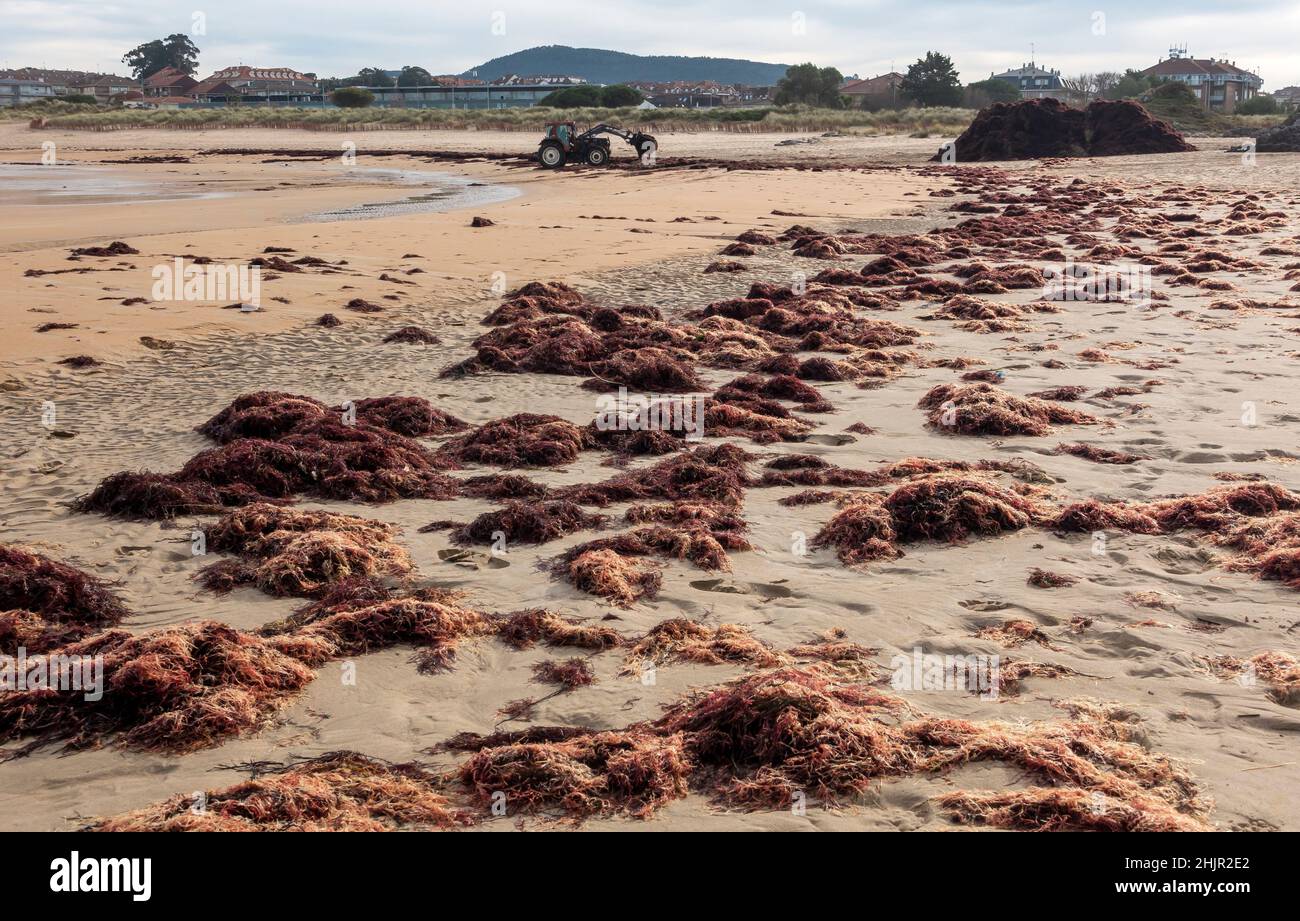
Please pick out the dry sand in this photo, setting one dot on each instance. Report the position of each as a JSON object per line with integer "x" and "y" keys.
{"x": 139, "y": 410}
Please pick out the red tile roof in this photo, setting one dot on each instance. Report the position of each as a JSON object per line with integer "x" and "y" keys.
{"x": 168, "y": 76}
{"x": 1179, "y": 67}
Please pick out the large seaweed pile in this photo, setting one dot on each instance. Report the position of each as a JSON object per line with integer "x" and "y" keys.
{"x": 275, "y": 446}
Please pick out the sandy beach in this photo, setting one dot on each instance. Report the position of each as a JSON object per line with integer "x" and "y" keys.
{"x": 1147, "y": 640}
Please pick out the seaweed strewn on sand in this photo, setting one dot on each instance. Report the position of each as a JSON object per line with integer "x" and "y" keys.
{"x": 337, "y": 791}
{"x": 46, "y": 603}
{"x": 285, "y": 551}
{"x": 275, "y": 446}
{"x": 175, "y": 689}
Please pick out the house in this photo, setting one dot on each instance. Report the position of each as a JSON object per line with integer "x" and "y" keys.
{"x": 168, "y": 82}
{"x": 1288, "y": 96}
{"x": 75, "y": 82}
{"x": 1034, "y": 82}
{"x": 466, "y": 95}
{"x": 879, "y": 92}
{"x": 1220, "y": 85}
{"x": 105, "y": 87}
{"x": 538, "y": 80}
{"x": 15, "y": 92}
{"x": 753, "y": 95}
{"x": 453, "y": 80}
{"x": 687, "y": 94}
{"x": 245, "y": 84}
{"x": 60, "y": 81}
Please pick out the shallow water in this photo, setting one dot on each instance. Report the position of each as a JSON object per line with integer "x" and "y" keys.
{"x": 436, "y": 192}
{"x": 22, "y": 184}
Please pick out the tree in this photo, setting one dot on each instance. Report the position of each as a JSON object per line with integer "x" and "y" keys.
{"x": 573, "y": 97}
{"x": 619, "y": 96}
{"x": 414, "y": 76}
{"x": 986, "y": 92}
{"x": 932, "y": 81}
{"x": 173, "y": 51}
{"x": 1080, "y": 90}
{"x": 1107, "y": 80}
{"x": 352, "y": 97}
{"x": 373, "y": 77}
{"x": 808, "y": 84}
{"x": 1259, "y": 105}
{"x": 1133, "y": 84}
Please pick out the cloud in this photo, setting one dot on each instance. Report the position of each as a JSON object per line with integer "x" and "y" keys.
{"x": 338, "y": 37}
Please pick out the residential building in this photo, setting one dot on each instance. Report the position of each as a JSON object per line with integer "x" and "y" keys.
{"x": 1288, "y": 96}
{"x": 254, "y": 85}
{"x": 1220, "y": 85}
{"x": 538, "y": 80}
{"x": 105, "y": 88}
{"x": 880, "y": 92}
{"x": 472, "y": 96}
{"x": 58, "y": 80}
{"x": 705, "y": 94}
{"x": 168, "y": 82}
{"x": 453, "y": 80}
{"x": 1034, "y": 82}
{"x": 75, "y": 82}
{"x": 687, "y": 94}
{"x": 14, "y": 92}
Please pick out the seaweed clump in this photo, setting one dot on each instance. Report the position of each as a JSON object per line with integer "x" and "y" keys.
{"x": 949, "y": 508}
{"x": 286, "y": 551}
{"x": 523, "y": 522}
{"x": 612, "y": 576}
{"x": 682, "y": 640}
{"x": 521, "y": 440}
{"x": 711, "y": 474}
{"x": 274, "y": 446}
{"x": 46, "y": 603}
{"x": 337, "y": 791}
{"x": 982, "y": 409}
{"x": 176, "y": 689}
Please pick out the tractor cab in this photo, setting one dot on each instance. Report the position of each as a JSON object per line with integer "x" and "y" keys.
{"x": 564, "y": 132}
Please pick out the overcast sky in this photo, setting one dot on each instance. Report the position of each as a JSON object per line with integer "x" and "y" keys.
{"x": 338, "y": 37}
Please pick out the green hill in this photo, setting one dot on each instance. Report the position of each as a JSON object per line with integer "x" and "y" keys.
{"x": 599, "y": 66}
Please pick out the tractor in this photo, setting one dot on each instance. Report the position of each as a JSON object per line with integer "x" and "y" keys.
{"x": 563, "y": 144}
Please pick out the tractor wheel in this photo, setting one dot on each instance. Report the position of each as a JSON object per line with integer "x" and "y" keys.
{"x": 597, "y": 156}
{"x": 550, "y": 155}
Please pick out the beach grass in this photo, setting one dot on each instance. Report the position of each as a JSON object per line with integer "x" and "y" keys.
{"x": 786, "y": 119}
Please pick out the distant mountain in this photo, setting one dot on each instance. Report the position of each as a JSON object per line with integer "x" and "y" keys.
{"x": 600, "y": 66}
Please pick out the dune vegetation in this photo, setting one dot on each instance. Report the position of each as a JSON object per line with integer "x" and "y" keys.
{"x": 937, "y": 121}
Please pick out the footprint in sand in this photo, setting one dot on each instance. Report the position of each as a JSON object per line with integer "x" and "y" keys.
{"x": 1185, "y": 562}
{"x": 833, "y": 440}
{"x": 974, "y": 604}
{"x": 768, "y": 590}
{"x": 472, "y": 559}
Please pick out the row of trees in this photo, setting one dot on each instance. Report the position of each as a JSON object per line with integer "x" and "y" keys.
{"x": 379, "y": 78}
{"x": 616, "y": 96}
{"x": 931, "y": 81}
